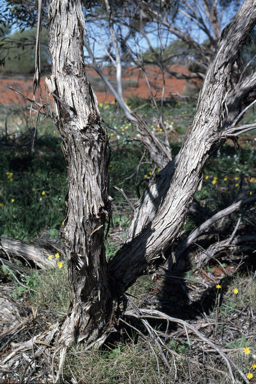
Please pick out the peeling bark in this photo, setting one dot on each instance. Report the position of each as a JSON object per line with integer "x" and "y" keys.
{"x": 85, "y": 145}
{"x": 207, "y": 133}
{"x": 163, "y": 207}
{"x": 14, "y": 247}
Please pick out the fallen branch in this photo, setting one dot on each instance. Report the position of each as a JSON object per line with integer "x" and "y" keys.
{"x": 212, "y": 250}
{"x": 15, "y": 247}
{"x": 208, "y": 223}
{"x": 155, "y": 314}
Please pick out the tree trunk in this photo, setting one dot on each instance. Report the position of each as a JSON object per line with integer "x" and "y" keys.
{"x": 163, "y": 208}
{"x": 85, "y": 146}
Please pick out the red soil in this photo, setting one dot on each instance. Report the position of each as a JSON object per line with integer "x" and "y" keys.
{"x": 172, "y": 85}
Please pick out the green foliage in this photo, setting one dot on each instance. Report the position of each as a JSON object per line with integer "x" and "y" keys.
{"x": 33, "y": 189}
{"x": 242, "y": 343}
{"x": 182, "y": 349}
{"x": 177, "y": 49}
{"x": 111, "y": 249}
{"x": 17, "y": 54}
{"x": 31, "y": 282}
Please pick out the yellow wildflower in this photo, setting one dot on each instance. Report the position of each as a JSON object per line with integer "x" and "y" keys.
{"x": 250, "y": 375}
{"x": 237, "y": 184}
{"x": 236, "y": 178}
{"x": 12, "y": 200}
{"x": 235, "y": 291}
{"x": 246, "y": 351}
{"x": 43, "y": 193}
{"x": 253, "y": 366}
{"x": 225, "y": 178}
{"x": 1, "y": 204}
{"x": 237, "y": 170}
{"x": 171, "y": 122}
{"x": 251, "y": 193}
{"x": 252, "y": 179}
{"x": 11, "y": 179}
{"x": 50, "y": 257}
{"x": 218, "y": 286}
{"x": 60, "y": 264}
{"x": 57, "y": 255}
{"x": 62, "y": 222}
{"x": 7, "y": 173}
{"x": 214, "y": 181}
{"x": 206, "y": 177}
{"x": 145, "y": 175}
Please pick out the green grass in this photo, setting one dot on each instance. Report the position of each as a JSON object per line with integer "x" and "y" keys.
{"x": 32, "y": 194}
{"x": 33, "y": 187}
{"x": 52, "y": 290}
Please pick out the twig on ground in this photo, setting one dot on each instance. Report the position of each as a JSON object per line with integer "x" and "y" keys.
{"x": 155, "y": 314}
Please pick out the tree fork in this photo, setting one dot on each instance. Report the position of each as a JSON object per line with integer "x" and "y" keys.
{"x": 85, "y": 149}
{"x": 149, "y": 238}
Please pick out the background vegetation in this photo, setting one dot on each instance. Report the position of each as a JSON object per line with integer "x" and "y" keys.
{"x": 33, "y": 185}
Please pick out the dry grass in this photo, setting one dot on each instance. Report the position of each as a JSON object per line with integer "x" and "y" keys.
{"x": 53, "y": 290}
{"x": 131, "y": 357}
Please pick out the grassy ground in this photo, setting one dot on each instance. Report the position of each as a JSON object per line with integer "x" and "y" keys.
{"x": 32, "y": 194}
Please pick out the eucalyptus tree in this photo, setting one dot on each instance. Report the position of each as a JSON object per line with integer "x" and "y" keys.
{"x": 98, "y": 286}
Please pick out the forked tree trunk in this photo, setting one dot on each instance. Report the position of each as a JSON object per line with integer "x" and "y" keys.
{"x": 162, "y": 212}
{"x": 85, "y": 146}
{"x": 164, "y": 206}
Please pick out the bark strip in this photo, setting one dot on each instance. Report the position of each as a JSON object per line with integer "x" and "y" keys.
{"x": 85, "y": 146}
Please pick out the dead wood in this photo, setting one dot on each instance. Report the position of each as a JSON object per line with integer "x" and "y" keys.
{"x": 204, "y": 227}
{"x": 10, "y": 247}
{"x": 238, "y": 243}
{"x": 9, "y": 313}
{"x": 155, "y": 314}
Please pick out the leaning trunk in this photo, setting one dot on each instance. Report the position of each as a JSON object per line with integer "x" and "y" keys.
{"x": 85, "y": 146}
{"x": 164, "y": 206}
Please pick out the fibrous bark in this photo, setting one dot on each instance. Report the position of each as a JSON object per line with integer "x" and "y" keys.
{"x": 208, "y": 131}
{"x": 165, "y": 204}
{"x": 85, "y": 147}
{"x": 18, "y": 248}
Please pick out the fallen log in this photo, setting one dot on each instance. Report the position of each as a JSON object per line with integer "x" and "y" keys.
{"x": 14, "y": 247}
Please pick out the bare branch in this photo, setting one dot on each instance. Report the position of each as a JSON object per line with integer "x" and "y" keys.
{"x": 208, "y": 223}
{"x": 155, "y": 314}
